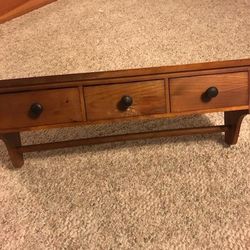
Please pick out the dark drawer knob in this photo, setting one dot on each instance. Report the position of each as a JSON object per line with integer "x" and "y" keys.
{"x": 35, "y": 110}
{"x": 125, "y": 102}
{"x": 210, "y": 93}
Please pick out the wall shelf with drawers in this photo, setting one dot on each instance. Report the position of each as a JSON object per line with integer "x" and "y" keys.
{"x": 149, "y": 93}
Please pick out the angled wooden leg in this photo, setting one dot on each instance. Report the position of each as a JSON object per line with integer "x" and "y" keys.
{"x": 13, "y": 140}
{"x": 233, "y": 120}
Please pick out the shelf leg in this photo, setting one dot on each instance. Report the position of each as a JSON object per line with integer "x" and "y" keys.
{"x": 233, "y": 120}
{"x": 12, "y": 141}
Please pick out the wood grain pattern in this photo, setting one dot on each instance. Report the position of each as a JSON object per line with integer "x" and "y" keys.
{"x": 82, "y": 105}
{"x": 23, "y": 85}
{"x": 121, "y": 119}
{"x": 162, "y": 92}
{"x": 125, "y": 75}
{"x": 60, "y": 106}
{"x": 10, "y": 9}
{"x": 102, "y": 102}
{"x": 186, "y": 92}
{"x": 167, "y": 95}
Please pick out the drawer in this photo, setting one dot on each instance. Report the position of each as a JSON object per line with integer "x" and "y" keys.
{"x": 34, "y": 108}
{"x": 209, "y": 92}
{"x": 125, "y": 100}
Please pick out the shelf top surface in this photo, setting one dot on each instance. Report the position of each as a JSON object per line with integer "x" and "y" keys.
{"x": 68, "y": 37}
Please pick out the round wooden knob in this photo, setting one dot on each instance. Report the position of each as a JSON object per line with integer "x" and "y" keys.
{"x": 126, "y": 102}
{"x": 35, "y": 110}
{"x": 210, "y": 93}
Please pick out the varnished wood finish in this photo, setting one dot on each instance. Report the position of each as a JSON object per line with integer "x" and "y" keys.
{"x": 167, "y": 95}
{"x": 249, "y": 88}
{"x": 233, "y": 120}
{"x": 12, "y": 141}
{"x": 59, "y": 106}
{"x": 123, "y": 119}
{"x": 6, "y": 6}
{"x": 13, "y": 8}
{"x": 159, "y": 73}
{"x": 82, "y": 103}
{"x": 116, "y": 138}
{"x": 186, "y": 92}
{"x": 26, "y": 84}
{"x": 102, "y": 102}
{"x": 90, "y": 98}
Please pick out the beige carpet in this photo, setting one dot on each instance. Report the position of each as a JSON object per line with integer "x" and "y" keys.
{"x": 177, "y": 193}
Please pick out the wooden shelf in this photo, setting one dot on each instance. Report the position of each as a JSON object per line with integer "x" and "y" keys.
{"x": 14, "y": 8}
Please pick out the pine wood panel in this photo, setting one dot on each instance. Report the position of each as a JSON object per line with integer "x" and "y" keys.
{"x": 59, "y": 106}
{"x": 186, "y": 92}
{"x": 160, "y": 92}
{"x": 102, "y": 102}
{"x": 142, "y": 74}
{"x": 121, "y": 119}
{"x": 23, "y": 85}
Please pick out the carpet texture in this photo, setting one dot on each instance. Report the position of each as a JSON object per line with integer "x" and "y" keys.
{"x": 170, "y": 193}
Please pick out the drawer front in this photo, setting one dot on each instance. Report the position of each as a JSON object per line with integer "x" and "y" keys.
{"x": 35, "y": 108}
{"x": 125, "y": 100}
{"x": 200, "y": 92}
